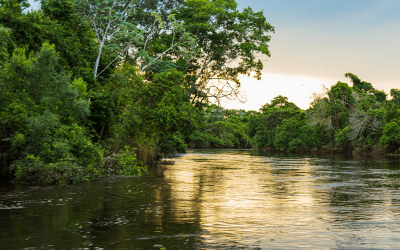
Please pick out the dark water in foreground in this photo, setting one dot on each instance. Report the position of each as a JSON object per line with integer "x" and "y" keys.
{"x": 215, "y": 199}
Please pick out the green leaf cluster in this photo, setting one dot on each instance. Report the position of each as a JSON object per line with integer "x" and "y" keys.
{"x": 43, "y": 116}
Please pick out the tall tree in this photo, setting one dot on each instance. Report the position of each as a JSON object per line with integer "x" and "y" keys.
{"x": 109, "y": 19}
{"x": 119, "y": 32}
{"x": 230, "y": 42}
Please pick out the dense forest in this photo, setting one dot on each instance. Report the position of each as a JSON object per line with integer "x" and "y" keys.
{"x": 92, "y": 88}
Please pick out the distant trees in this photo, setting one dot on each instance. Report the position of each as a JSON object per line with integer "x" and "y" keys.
{"x": 340, "y": 118}
{"x": 221, "y": 128}
{"x": 263, "y": 127}
{"x": 391, "y": 134}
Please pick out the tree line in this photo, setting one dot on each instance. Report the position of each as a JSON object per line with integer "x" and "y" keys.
{"x": 341, "y": 119}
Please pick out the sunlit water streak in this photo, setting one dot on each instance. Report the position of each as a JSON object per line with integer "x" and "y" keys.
{"x": 215, "y": 199}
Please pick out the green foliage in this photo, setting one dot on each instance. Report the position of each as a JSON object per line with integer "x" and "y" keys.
{"x": 32, "y": 169}
{"x": 59, "y": 149}
{"x": 130, "y": 165}
{"x": 170, "y": 145}
{"x": 203, "y": 140}
{"x": 341, "y": 137}
{"x": 102, "y": 110}
{"x": 366, "y": 87}
{"x": 221, "y": 128}
{"x": 110, "y": 21}
{"x": 395, "y": 94}
{"x": 4, "y": 41}
{"x": 263, "y": 126}
{"x": 393, "y": 106}
{"x": 359, "y": 85}
{"x": 43, "y": 114}
{"x": 80, "y": 86}
{"x": 338, "y": 112}
{"x": 57, "y": 23}
{"x": 279, "y": 101}
{"x": 380, "y": 95}
{"x": 391, "y": 135}
{"x": 343, "y": 116}
{"x": 158, "y": 67}
{"x": 223, "y": 35}
{"x": 119, "y": 34}
{"x": 158, "y": 110}
{"x": 341, "y": 91}
{"x": 293, "y": 134}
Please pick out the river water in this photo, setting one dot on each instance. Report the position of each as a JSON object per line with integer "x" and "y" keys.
{"x": 215, "y": 199}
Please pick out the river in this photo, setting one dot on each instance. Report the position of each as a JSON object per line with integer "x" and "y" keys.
{"x": 215, "y": 199}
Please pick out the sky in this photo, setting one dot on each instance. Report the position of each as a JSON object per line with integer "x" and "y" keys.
{"x": 317, "y": 41}
{"x": 34, "y": 4}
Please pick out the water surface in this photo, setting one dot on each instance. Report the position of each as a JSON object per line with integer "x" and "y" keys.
{"x": 215, "y": 199}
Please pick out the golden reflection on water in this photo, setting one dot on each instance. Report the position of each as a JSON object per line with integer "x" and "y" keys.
{"x": 250, "y": 201}
{"x": 242, "y": 198}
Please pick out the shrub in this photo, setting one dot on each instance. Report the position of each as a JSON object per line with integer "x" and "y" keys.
{"x": 391, "y": 134}
{"x": 129, "y": 164}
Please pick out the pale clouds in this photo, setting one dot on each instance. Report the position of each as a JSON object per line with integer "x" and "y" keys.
{"x": 323, "y": 40}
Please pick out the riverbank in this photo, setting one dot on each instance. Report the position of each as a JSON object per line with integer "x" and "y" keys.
{"x": 365, "y": 150}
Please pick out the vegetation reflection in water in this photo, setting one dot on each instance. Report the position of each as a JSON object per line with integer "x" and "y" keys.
{"x": 215, "y": 199}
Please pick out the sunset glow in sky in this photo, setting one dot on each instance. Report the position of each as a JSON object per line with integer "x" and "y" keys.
{"x": 318, "y": 41}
